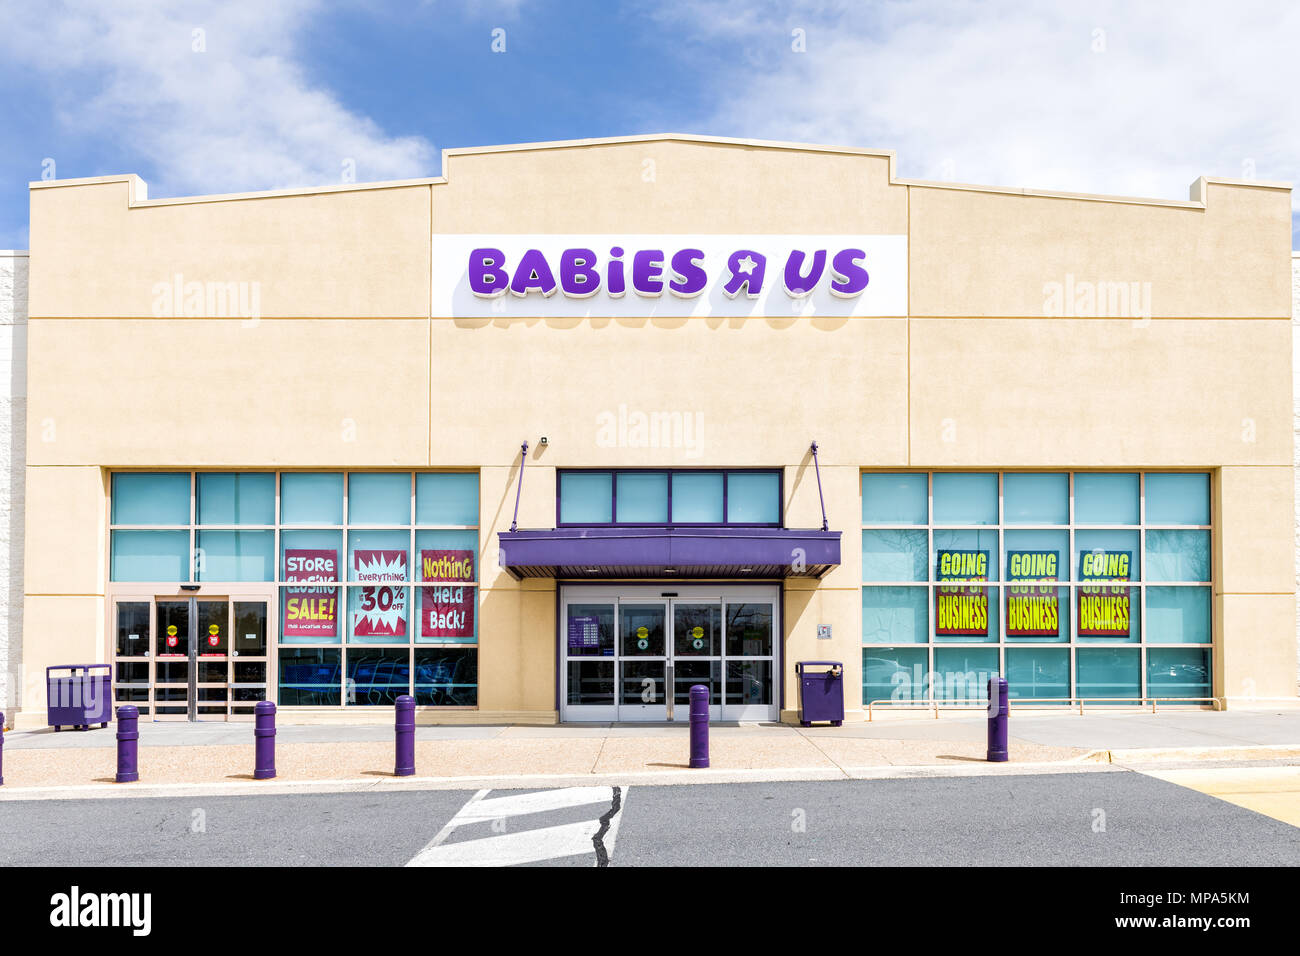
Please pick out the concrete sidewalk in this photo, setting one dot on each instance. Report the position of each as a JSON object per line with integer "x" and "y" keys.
{"x": 222, "y": 754}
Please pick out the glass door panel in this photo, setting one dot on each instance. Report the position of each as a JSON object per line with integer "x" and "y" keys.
{"x": 697, "y": 629}
{"x": 750, "y": 662}
{"x": 590, "y": 648}
{"x": 172, "y": 630}
{"x": 131, "y": 652}
{"x": 248, "y": 657}
{"x": 643, "y": 666}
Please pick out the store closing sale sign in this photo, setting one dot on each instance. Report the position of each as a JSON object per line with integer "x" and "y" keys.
{"x": 311, "y": 611}
{"x": 447, "y": 609}
{"x": 961, "y": 610}
{"x": 381, "y": 605}
{"x": 1032, "y": 611}
{"x": 1104, "y": 611}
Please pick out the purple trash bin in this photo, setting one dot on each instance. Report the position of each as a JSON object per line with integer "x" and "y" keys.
{"x": 821, "y": 693}
{"x": 79, "y": 698}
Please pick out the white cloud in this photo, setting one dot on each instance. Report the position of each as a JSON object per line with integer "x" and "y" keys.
{"x": 239, "y": 115}
{"x": 1014, "y": 93}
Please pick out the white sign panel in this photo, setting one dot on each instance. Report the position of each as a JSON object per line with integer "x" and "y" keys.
{"x": 668, "y": 275}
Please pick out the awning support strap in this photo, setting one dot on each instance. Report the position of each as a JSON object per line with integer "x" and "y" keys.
{"x": 825, "y": 525}
{"x": 523, "y": 460}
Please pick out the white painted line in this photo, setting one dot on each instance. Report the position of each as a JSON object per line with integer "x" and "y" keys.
{"x": 540, "y": 802}
{"x": 511, "y": 849}
{"x": 451, "y": 825}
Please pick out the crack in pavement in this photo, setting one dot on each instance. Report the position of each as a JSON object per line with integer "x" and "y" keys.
{"x": 598, "y": 841}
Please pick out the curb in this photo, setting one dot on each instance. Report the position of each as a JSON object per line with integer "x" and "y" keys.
{"x": 1143, "y": 755}
{"x": 643, "y": 778}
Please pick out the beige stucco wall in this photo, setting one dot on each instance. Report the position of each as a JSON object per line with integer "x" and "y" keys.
{"x": 345, "y": 367}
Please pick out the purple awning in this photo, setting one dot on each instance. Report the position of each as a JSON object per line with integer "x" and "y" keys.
{"x": 669, "y": 552}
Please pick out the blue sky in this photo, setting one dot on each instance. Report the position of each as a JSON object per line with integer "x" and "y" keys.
{"x": 202, "y": 97}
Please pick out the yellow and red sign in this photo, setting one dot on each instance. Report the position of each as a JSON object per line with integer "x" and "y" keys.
{"x": 1033, "y": 611}
{"x": 1104, "y": 611}
{"x": 961, "y": 610}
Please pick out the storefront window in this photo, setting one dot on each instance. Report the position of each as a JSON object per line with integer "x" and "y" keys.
{"x": 965, "y": 499}
{"x": 235, "y": 556}
{"x": 307, "y": 498}
{"x": 642, "y": 497}
{"x": 895, "y": 499}
{"x": 687, "y": 497}
{"x": 697, "y": 497}
{"x": 369, "y": 609}
{"x": 1124, "y": 574}
{"x": 753, "y": 498}
{"x": 234, "y": 498}
{"x": 151, "y": 499}
{"x": 1036, "y": 499}
{"x": 894, "y": 673}
{"x": 161, "y": 556}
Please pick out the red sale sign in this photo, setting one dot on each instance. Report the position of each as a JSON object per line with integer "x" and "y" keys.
{"x": 380, "y": 610}
{"x": 311, "y": 612}
{"x": 447, "y": 609}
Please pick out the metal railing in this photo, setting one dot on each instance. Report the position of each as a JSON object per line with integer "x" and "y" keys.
{"x": 1215, "y": 703}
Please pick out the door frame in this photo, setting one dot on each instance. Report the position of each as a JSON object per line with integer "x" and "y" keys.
{"x": 231, "y": 593}
{"x": 668, "y": 593}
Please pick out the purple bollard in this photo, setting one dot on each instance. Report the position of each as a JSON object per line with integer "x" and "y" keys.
{"x": 2, "y": 748}
{"x": 699, "y": 726}
{"x": 264, "y": 734}
{"x": 128, "y": 744}
{"x": 405, "y": 736}
{"x": 997, "y": 720}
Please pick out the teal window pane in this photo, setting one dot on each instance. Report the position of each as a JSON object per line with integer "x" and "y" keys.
{"x": 643, "y": 497}
{"x": 697, "y": 497}
{"x": 965, "y": 499}
{"x": 1111, "y": 553}
{"x": 236, "y": 556}
{"x": 962, "y": 673}
{"x": 1105, "y": 499}
{"x": 1178, "y": 499}
{"x": 310, "y": 498}
{"x": 1178, "y": 672}
{"x": 1030, "y": 554}
{"x": 586, "y": 497}
{"x": 1035, "y": 499}
{"x": 150, "y": 556}
{"x": 233, "y": 498}
{"x": 1178, "y": 615}
{"x": 446, "y": 614}
{"x": 895, "y": 499}
{"x": 1108, "y": 672}
{"x": 753, "y": 498}
{"x": 894, "y": 555}
{"x": 446, "y": 498}
{"x": 1178, "y": 556}
{"x": 151, "y": 498}
{"x": 1038, "y": 672}
{"x": 895, "y": 615}
{"x": 893, "y": 673}
{"x": 966, "y": 540}
{"x": 379, "y": 498}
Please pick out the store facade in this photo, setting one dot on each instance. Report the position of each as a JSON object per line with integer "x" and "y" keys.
{"x": 576, "y": 426}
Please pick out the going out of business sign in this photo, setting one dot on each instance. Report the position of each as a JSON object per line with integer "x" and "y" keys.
{"x": 668, "y": 275}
